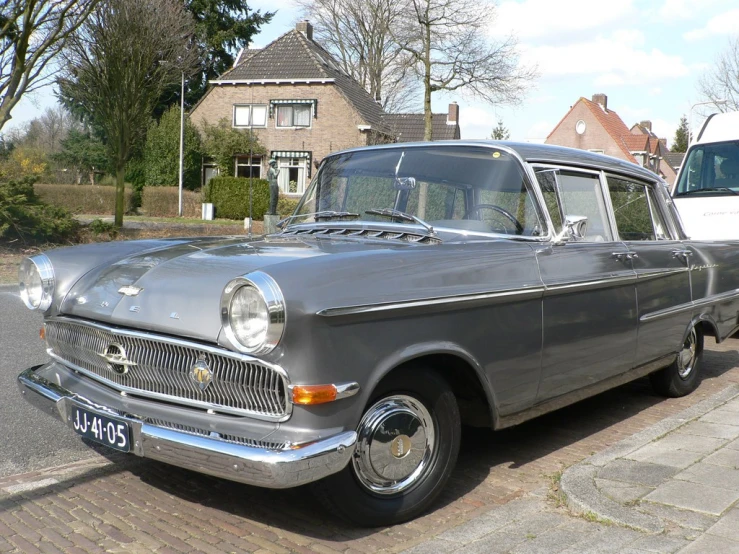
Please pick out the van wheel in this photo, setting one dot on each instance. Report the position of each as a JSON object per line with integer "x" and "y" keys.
{"x": 683, "y": 375}
{"x": 407, "y": 445}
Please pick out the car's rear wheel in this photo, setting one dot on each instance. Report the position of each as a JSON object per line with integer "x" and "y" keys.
{"x": 683, "y": 375}
{"x": 407, "y": 445}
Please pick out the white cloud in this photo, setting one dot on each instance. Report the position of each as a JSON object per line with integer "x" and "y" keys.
{"x": 608, "y": 60}
{"x": 540, "y": 130}
{"x": 476, "y": 122}
{"x": 554, "y": 21}
{"x": 686, "y": 9}
{"x": 723, "y": 24}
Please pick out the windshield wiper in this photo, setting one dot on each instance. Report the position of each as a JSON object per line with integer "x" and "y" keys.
{"x": 325, "y": 214}
{"x": 397, "y": 214}
{"x": 713, "y": 189}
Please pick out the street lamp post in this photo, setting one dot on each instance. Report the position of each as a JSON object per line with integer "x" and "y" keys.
{"x": 714, "y": 102}
{"x": 182, "y": 143}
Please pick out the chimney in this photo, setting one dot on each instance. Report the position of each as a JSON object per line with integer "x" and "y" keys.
{"x": 452, "y": 117}
{"x": 306, "y": 28}
{"x": 601, "y": 99}
{"x": 646, "y": 124}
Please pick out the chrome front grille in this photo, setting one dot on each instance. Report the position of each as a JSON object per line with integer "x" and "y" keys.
{"x": 160, "y": 367}
{"x": 227, "y": 438}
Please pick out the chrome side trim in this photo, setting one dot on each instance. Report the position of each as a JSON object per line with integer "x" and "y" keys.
{"x": 514, "y": 294}
{"x": 656, "y": 274}
{"x": 345, "y": 390}
{"x": 502, "y": 296}
{"x": 707, "y": 301}
{"x": 290, "y": 466}
{"x": 589, "y": 285}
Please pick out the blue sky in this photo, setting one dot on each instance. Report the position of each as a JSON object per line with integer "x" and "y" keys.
{"x": 647, "y": 56}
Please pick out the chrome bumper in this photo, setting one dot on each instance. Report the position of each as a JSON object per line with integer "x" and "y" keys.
{"x": 277, "y": 469}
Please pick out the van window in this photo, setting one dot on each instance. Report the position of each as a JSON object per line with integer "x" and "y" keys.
{"x": 710, "y": 169}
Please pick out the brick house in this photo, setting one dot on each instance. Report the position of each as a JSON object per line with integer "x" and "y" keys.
{"x": 591, "y": 125}
{"x": 301, "y": 106}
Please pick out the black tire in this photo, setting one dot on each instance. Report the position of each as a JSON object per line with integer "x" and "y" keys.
{"x": 683, "y": 375}
{"x": 418, "y": 400}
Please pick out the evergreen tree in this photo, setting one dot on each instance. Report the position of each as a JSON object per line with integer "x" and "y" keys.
{"x": 500, "y": 132}
{"x": 162, "y": 152}
{"x": 682, "y": 136}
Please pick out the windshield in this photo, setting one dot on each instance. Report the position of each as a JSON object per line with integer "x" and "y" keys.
{"x": 710, "y": 169}
{"x": 463, "y": 188}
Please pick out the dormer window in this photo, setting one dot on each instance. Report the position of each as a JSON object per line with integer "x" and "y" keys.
{"x": 250, "y": 115}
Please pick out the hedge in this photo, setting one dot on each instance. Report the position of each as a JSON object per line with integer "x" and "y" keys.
{"x": 83, "y": 199}
{"x": 164, "y": 202}
{"x": 230, "y": 197}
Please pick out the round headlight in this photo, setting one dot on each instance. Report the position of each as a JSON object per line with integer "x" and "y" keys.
{"x": 253, "y": 313}
{"x": 36, "y": 280}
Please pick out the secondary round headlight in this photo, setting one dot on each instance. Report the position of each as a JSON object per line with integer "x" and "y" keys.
{"x": 36, "y": 280}
{"x": 253, "y": 313}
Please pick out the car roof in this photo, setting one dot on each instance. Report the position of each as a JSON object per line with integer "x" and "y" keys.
{"x": 540, "y": 153}
{"x": 719, "y": 127}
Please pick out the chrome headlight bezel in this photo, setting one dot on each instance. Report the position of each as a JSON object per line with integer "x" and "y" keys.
{"x": 274, "y": 302}
{"x": 41, "y": 264}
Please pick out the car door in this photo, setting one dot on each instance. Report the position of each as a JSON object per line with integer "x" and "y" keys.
{"x": 589, "y": 304}
{"x": 662, "y": 267}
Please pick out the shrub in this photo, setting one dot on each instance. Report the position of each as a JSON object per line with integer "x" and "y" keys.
{"x": 286, "y": 205}
{"x": 230, "y": 197}
{"x": 24, "y": 216}
{"x": 221, "y": 142}
{"x": 162, "y": 152}
{"x": 163, "y": 202}
{"x": 83, "y": 199}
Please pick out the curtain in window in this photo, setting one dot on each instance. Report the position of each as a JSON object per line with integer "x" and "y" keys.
{"x": 301, "y": 115}
{"x": 284, "y": 116}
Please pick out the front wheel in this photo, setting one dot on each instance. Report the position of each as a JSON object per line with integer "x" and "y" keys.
{"x": 683, "y": 375}
{"x": 407, "y": 445}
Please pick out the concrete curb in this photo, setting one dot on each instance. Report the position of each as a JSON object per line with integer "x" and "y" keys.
{"x": 578, "y": 481}
{"x": 9, "y": 287}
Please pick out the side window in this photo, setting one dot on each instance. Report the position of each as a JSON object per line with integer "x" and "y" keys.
{"x": 548, "y": 185}
{"x": 581, "y": 195}
{"x": 631, "y": 209}
{"x": 660, "y": 224}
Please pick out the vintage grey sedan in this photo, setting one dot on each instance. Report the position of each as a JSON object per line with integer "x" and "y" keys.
{"x": 416, "y": 289}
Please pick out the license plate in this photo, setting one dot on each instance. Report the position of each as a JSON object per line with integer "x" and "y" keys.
{"x": 99, "y": 428}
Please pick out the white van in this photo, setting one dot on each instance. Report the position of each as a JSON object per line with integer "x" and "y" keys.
{"x": 706, "y": 191}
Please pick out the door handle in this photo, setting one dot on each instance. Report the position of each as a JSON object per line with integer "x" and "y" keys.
{"x": 624, "y": 256}
{"x": 682, "y": 253}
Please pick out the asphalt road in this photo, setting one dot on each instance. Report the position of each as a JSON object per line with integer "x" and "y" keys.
{"x": 29, "y": 439}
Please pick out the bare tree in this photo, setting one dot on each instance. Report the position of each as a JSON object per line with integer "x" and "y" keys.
{"x": 358, "y": 33}
{"x": 48, "y": 130}
{"x": 32, "y": 33}
{"x": 118, "y": 64}
{"x": 722, "y": 81}
{"x": 446, "y": 40}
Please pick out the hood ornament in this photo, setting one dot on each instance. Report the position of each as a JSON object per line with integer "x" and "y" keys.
{"x": 130, "y": 290}
{"x": 115, "y": 355}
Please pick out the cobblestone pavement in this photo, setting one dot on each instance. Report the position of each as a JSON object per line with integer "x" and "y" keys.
{"x": 502, "y": 497}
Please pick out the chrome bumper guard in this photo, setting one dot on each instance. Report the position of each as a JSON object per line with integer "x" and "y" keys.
{"x": 276, "y": 469}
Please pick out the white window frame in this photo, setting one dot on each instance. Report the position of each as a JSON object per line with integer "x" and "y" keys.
{"x": 305, "y": 105}
{"x": 250, "y": 108}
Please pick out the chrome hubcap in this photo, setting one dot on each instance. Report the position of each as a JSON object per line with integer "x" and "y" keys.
{"x": 395, "y": 444}
{"x": 687, "y": 356}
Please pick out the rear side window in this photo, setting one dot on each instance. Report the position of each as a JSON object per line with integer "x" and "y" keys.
{"x": 631, "y": 209}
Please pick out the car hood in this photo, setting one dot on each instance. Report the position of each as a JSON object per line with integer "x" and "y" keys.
{"x": 176, "y": 289}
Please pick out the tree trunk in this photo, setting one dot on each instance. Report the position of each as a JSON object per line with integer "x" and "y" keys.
{"x": 120, "y": 198}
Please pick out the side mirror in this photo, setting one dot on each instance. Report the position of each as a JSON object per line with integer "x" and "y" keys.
{"x": 574, "y": 228}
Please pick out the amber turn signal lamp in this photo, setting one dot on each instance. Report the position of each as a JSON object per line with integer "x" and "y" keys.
{"x": 313, "y": 394}
{"x": 42, "y": 333}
